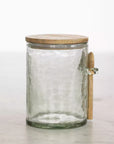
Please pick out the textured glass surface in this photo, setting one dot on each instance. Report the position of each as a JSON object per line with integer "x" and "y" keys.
{"x": 57, "y": 86}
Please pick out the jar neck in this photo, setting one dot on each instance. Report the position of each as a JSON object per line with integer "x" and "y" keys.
{"x": 56, "y": 46}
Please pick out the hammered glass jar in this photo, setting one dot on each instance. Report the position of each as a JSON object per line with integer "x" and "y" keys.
{"x": 57, "y": 81}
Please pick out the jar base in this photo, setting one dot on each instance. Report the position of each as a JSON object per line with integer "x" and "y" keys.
{"x": 55, "y": 120}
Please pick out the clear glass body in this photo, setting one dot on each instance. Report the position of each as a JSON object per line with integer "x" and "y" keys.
{"x": 57, "y": 85}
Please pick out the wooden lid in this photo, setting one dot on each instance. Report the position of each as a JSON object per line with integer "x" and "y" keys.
{"x": 57, "y": 39}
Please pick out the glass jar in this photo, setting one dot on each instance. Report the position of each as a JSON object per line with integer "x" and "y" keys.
{"x": 57, "y": 81}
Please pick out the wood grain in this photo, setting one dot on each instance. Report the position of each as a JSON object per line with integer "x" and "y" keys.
{"x": 90, "y": 86}
{"x": 57, "y": 39}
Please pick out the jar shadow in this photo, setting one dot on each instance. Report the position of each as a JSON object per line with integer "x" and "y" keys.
{"x": 63, "y": 136}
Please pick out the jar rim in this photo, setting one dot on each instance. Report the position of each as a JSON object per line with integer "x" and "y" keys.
{"x": 56, "y": 46}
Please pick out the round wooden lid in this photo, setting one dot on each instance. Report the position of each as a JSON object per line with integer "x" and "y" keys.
{"x": 57, "y": 39}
